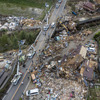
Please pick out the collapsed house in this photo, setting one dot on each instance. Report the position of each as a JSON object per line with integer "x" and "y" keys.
{"x": 89, "y": 6}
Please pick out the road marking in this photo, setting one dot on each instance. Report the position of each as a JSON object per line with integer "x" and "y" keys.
{"x": 4, "y": 97}
{"x": 21, "y": 82}
{"x": 27, "y": 85}
{"x": 9, "y": 88}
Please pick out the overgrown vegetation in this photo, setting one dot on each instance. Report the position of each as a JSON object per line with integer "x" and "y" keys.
{"x": 32, "y": 3}
{"x": 94, "y": 93}
{"x": 9, "y": 42}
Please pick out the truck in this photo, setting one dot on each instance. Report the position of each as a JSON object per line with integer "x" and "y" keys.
{"x": 33, "y": 77}
{"x": 17, "y": 76}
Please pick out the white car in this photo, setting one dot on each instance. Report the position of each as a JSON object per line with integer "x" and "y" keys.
{"x": 59, "y": 1}
{"x": 32, "y": 92}
{"x": 46, "y": 27}
{"x": 52, "y": 25}
{"x": 31, "y": 54}
{"x": 90, "y": 49}
{"x": 57, "y": 6}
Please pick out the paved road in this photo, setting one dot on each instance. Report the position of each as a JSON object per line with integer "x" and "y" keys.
{"x": 12, "y": 89}
{"x": 15, "y": 92}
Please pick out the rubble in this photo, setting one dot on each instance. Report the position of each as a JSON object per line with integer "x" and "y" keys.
{"x": 29, "y": 22}
{"x": 11, "y": 23}
{"x": 66, "y": 76}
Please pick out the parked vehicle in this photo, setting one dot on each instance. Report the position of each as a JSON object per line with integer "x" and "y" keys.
{"x": 57, "y": 6}
{"x": 46, "y": 27}
{"x": 32, "y": 52}
{"x": 52, "y": 25}
{"x": 30, "y": 55}
{"x": 91, "y": 49}
{"x": 32, "y": 92}
{"x": 59, "y": 1}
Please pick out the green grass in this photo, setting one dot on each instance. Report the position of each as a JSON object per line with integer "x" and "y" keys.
{"x": 24, "y": 8}
{"x": 32, "y": 3}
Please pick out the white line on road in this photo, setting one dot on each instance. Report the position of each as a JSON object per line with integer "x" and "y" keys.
{"x": 27, "y": 86}
{"x": 4, "y": 97}
{"x": 9, "y": 88}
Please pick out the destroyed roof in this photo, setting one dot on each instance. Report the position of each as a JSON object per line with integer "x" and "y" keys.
{"x": 83, "y": 51}
{"x": 89, "y": 6}
{"x": 82, "y": 70}
{"x": 79, "y": 50}
{"x": 92, "y": 64}
{"x": 76, "y": 61}
{"x": 88, "y": 73}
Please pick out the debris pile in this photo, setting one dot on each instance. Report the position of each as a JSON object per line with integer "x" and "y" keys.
{"x": 30, "y": 22}
{"x": 10, "y": 23}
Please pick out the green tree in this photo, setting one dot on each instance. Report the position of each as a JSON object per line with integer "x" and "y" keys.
{"x": 22, "y": 35}
{"x": 15, "y": 42}
{"x": 29, "y": 39}
{"x": 4, "y": 39}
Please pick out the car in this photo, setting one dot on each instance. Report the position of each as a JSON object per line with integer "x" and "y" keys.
{"x": 31, "y": 54}
{"x": 32, "y": 92}
{"x": 59, "y": 1}
{"x": 90, "y": 49}
{"x": 52, "y": 25}
{"x": 46, "y": 27}
{"x": 57, "y": 6}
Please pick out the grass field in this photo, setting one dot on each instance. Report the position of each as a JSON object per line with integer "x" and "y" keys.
{"x": 25, "y": 8}
{"x": 32, "y": 3}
